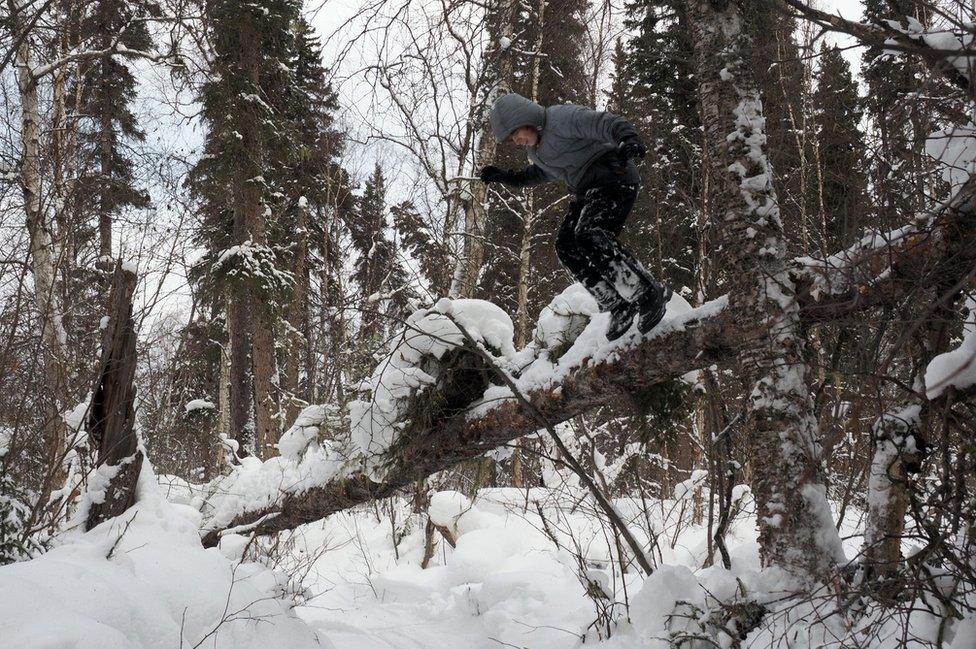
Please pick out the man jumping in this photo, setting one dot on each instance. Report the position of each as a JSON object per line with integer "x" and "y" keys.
{"x": 592, "y": 153}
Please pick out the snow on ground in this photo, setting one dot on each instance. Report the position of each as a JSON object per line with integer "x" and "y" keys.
{"x": 145, "y": 581}
{"x": 508, "y": 584}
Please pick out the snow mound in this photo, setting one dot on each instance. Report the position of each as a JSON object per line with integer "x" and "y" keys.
{"x": 446, "y": 507}
{"x": 144, "y": 580}
{"x": 304, "y": 433}
{"x": 412, "y": 364}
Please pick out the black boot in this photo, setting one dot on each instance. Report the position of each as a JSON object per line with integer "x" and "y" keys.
{"x": 621, "y": 318}
{"x": 652, "y": 306}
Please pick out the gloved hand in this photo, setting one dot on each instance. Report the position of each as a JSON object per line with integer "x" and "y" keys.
{"x": 632, "y": 147}
{"x": 492, "y": 174}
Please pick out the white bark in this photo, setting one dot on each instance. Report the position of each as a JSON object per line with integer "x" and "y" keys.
{"x": 42, "y": 246}
{"x": 469, "y": 262}
{"x": 887, "y": 496}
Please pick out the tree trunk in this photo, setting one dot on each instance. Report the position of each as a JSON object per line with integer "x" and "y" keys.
{"x": 887, "y": 493}
{"x": 43, "y": 257}
{"x": 795, "y": 528}
{"x": 111, "y": 416}
{"x": 468, "y": 267}
{"x": 267, "y": 426}
{"x": 239, "y": 342}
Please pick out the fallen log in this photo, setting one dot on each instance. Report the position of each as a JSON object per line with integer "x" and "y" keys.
{"x": 849, "y": 282}
{"x": 688, "y": 342}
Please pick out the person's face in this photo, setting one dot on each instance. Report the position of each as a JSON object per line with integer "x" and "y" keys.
{"x": 524, "y": 136}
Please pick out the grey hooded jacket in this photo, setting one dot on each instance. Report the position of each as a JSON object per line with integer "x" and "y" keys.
{"x": 577, "y": 145}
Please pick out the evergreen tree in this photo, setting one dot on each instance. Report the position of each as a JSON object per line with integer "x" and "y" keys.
{"x": 248, "y": 144}
{"x": 423, "y": 245}
{"x": 16, "y": 544}
{"x": 841, "y": 148}
{"x": 311, "y": 182}
{"x": 382, "y": 280}
{"x": 900, "y": 120}
{"x": 93, "y": 153}
{"x": 179, "y": 402}
{"x": 655, "y": 87}
{"x": 106, "y": 89}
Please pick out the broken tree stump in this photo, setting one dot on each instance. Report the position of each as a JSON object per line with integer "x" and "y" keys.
{"x": 111, "y": 416}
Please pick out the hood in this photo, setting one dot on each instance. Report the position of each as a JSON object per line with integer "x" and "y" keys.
{"x": 513, "y": 111}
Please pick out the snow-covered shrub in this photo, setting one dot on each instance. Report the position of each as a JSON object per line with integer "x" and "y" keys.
{"x": 16, "y": 544}
{"x": 418, "y": 359}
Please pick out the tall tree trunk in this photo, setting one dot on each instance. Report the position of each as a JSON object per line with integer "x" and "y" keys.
{"x": 106, "y": 150}
{"x": 297, "y": 321}
{"x": 267, "y": 420}
{"x": 795, "y": 528}
{"x": 42, "y": 252}
{"x": 903, "y": 433}
{"x": 469, "y": 264}
{"x": 887, "y": 493}
{"x": 264, "y": 370}
{"x": 239, "y": 358}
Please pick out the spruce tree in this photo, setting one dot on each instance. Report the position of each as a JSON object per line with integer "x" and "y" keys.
{"x": 249, "y": 141}
{"x": 106, "y": 90}
{"x": 841, "y": 148}
{"x": 93, "y": 153}
{"x": 16, "y": 543}
{"x": 310, "y": 183}
{"x": 382, "y": 280}
{"x": 423, "y": 245}
{"x": 900, "y": 121}
{"x": 656, "y": 88}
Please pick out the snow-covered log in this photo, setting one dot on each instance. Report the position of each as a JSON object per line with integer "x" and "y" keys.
{"x": 586, "y": 376}
{"x": 694, "y": 340}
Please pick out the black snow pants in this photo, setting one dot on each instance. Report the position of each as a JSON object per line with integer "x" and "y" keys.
{"x": 587, "y": 246}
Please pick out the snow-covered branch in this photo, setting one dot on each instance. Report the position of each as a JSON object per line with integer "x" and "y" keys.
{"x": 940, "y": 49}
{"x": 883, "y": 267}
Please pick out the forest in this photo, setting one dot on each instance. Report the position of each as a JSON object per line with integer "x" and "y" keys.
{"x": 283, "y": 365}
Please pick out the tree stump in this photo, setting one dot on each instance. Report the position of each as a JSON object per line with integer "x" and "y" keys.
{"x": 111, "y": 416}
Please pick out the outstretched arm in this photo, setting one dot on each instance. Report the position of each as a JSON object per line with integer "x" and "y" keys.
{"x": 527, "y": 177}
